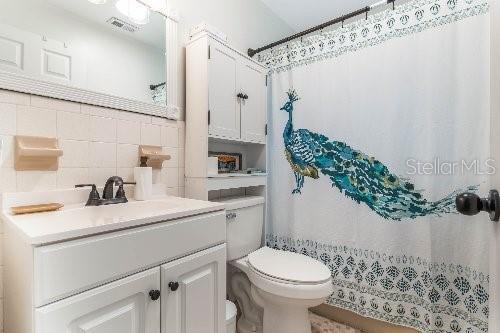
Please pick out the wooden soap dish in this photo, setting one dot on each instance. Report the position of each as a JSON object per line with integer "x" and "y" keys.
{"x": 36, "y": 208}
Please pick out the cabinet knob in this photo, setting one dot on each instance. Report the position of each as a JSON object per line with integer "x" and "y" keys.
{"x": 245, "y": 96}
{"x": 154, "y": 294}
{"x": 173, "y": 286}
{"x": 240, "y": 95}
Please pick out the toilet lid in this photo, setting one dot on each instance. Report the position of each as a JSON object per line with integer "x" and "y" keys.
{"x": 288, "y": 266}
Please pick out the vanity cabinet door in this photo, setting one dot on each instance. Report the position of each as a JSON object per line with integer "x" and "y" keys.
{"x": 194, "y": 293}
{"x": 254, "y": 105}
{"x": 224, "y": 109}
{"x": 130, "y": 305}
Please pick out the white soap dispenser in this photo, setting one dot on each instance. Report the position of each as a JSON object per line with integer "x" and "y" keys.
{"x": 143, "y": 176}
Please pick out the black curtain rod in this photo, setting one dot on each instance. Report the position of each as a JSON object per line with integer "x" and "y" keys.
{"x": 154, "y": 86}
{"x": 252, "y": 52}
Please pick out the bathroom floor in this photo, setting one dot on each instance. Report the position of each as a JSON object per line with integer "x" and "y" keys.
{"x": 324, "y": 325}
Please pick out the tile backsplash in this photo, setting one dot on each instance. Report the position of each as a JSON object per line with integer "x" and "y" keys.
{"x": 97, "y": 143}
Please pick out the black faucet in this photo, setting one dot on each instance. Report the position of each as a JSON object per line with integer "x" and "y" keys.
{"x": 107, "y": 195}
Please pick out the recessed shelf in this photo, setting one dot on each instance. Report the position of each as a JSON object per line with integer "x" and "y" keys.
{"x": 231, "y": 181}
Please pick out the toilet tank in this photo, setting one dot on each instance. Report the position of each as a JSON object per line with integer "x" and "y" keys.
{"x": 244, "y": 225}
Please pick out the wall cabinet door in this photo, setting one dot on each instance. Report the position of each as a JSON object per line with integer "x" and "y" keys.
{"x": 223, "y": 103}
{"x": 194, "y": 293}
{"x": 253, "y": 107}
{"x": 124, "y": 306}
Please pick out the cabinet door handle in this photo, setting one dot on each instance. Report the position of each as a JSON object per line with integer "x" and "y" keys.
{"x": 245, "y": 96}
{"x": 173, "y": 286}
{"x": 240, "y": 95}
{"x": 154, "y": 294}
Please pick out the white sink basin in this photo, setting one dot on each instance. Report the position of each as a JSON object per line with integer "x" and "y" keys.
{"x": 76, "y": 220}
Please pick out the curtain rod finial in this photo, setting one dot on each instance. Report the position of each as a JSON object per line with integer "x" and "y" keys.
{"x": 251, "y": 52}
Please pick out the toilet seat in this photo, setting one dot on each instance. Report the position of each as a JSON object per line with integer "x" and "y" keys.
{"x": 288, "y": 274}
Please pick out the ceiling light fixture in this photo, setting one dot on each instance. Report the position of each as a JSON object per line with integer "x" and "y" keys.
{"x": 98, "y": 2}
{"x": 135, "y": 11}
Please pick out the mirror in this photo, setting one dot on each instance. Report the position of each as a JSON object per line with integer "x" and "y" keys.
{"x": 112, "y": 47}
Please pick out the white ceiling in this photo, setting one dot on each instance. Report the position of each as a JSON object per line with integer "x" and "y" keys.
{"x": 303, "y": 14}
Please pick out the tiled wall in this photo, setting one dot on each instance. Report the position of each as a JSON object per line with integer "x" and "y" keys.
{"x": 97, "y": 143}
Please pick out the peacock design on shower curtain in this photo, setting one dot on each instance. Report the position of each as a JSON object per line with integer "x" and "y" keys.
{"x": 360, "y": 177}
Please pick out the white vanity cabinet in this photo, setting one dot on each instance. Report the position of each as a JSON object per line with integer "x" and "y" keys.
{"x": 227, "y": 90}
{"x": 164, "y": 274}
{"x": 121, "y": 306}
{"x": 193, "y": 297}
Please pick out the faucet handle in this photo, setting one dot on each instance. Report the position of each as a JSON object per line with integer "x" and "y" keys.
{"x": 94, "y": 196}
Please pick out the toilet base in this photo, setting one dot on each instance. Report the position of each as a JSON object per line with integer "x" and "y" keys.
{"x": 284, "y": 315}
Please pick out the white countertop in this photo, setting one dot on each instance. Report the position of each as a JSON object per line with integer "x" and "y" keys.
{"x": 76, "y": 221}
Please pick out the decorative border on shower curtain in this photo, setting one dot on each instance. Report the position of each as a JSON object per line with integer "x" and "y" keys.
{"x": 404, "y": 290}
{"x": 407, "y": 19}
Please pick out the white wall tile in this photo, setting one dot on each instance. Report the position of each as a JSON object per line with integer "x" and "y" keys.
{"x": 163, "y": 121}
{"x": 150, "y": 135}
{"x": 54, "y": 104}
{"x": 173, "y": 191}
{"x": 69, "y": 177}
{"x": 128, "y": 132}
{"x": 170, "y": 177}
{"x": 6, "y": 151}
{"x": 1, "y": 280}
{"x": 98, "y": 111}
{"x": 182, "y": 176}
{"x": 102, "y": 155}
{"x": 99, "y": 176}
{"x": 126, "y": 173}
{"x": 135, "y": 117}
{"x": 28, "y": 181}
{"x": 75, "y": 154}
{"x": 1, "y": 316}
{"x": 170, "y": 137}
{"x": 72, "y": 126}
{"x": 8, "y": 117}
{"x": 127, "y": 156}
{"x": 182, "y": 136}
{"x": 180, "y": 157}
{"x": 102, "y": 129}
{"x": 36, "y": 122}
{"x": 11, "y": 97}
{"x": 8, "y": 181}
{"x": 174, "y": 161}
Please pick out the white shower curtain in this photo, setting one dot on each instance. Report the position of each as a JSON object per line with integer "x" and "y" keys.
{"x": 375, "y": 128}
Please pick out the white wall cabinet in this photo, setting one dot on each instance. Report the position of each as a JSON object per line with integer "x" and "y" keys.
{"x": 226, "y": 111}
{"x": 224, "y": 106}
{"x": 254, "y": 106}
{"x": 237, "y": 91}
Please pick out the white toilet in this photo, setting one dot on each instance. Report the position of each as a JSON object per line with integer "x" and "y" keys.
{"x": 274, "y": 289}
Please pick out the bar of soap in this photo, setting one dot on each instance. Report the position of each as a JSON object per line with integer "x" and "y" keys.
{"x": 50, "y": 207}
